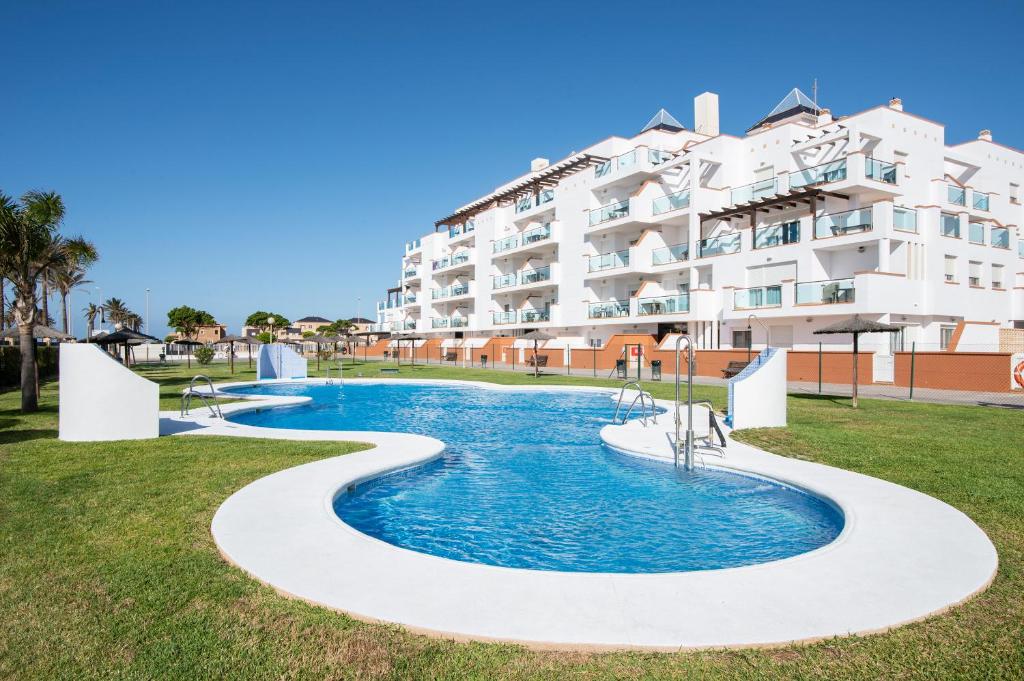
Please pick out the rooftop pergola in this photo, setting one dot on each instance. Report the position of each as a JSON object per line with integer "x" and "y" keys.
{"x": 809, "y": 196}
{"x": 549, "y": 177}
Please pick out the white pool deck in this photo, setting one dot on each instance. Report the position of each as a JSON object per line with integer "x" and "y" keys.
{"x": 902, "y": 555}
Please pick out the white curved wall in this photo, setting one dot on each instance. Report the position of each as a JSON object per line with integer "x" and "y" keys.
{"x": 101, "y": 399}
{"x": 758, "y": 399}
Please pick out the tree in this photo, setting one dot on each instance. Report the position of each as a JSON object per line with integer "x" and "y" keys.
{"x": 263, "y": 337}
{"x": 92, "y": 311}
{"x": 71, "y": 274}
{"x": 338, "y": 327}
{"x": 186, "y": 321}
{"x": 259, "y": 320}
{"x": 30, "y": 246}
{"x": 117, "y": 312}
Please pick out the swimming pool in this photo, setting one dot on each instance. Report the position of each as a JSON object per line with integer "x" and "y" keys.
{"x": 525, "y": 483}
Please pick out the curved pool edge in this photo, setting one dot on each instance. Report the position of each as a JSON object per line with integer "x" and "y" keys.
{"x": 878, "y": 574}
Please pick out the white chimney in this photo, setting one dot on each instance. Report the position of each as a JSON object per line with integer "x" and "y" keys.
{"x": 538, "y": 164}
{"x": 705, "y": 114}
{"x": 824, "y": 116}
{"x": 985, "y": 135}
{"x": 896, "y": 103}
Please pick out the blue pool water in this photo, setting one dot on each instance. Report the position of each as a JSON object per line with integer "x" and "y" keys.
{"x": 525, "y": 482}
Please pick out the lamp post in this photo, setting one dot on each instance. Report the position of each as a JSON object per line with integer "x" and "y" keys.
{"x": 147, "y": 311}
{"x": 270, "y": 321}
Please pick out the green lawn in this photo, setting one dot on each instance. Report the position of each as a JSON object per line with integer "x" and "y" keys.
{"x": 108, "y": 568}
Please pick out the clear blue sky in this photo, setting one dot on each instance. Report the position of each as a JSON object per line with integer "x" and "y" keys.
{"x": 238, "y": 156}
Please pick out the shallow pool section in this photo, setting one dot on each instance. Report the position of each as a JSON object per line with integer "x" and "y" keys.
{"x": 525, "y": 483}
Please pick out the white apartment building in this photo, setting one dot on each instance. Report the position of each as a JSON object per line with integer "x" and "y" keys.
{"x": 803, "y": 220}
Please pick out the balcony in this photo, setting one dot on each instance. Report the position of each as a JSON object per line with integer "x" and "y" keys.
{"x": 534, "y": 316}
{"x": 449, "y": 323}
{"x": 527, "y": 277}
{"x": 670, "y": 254}
{"x": 411, "y": 273}
{"x": 451, "y": 261}
{"x": 827, "y": 292}
{"x": 456, "y": 232}
{"x": 410, "y": 299}
{"x": 500, "y": 281}
{"x": 841, "y": 224}
{"x": 904, "y": 219}
{"x": 781, "y": 234}
{"x": 979, "y": 201}
{"x": 833, "y": 171}
{"x": 879, "y": 171}
{"x": 719, "y": 245}
{"x": 671, "y": 202}
{"x": 499, "y": 318}
{"x": 956, "y": 195}
{"x": 757, "y": 297}
{"x": 506, "y": 244}
{"x": 672, "y": 304}
{"x": 450, "y": 292}
{"x": 754, "y": 191}
{"x": 949, "y": 225}
{"x": 641, "y": 159}
{"x": 413, "y": 246}
{"x": 610, "y": 212}
{"x": 532, "y": 236}
{"x": 1000, "y": 237}
{"x": 524, "y": 241}
{"x": 529, "y": 201}
{"x": 608, "y": 310}
{"x": 608, "y": 261}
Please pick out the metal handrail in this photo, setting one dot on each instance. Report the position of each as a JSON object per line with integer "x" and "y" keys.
{"x": 642, "y": 397}
{"x": 688, "y": 456}
{"x": 186, "y": 397}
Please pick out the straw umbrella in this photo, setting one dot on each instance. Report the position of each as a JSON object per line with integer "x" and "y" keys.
{"x": 188, "y": 343}
{"x": 411, "y": 337}
{"x": 244, "y": 340}
{"x": 536, "y": 337}
{"x": 39, "y": 332}
{"x": 319, "y": 340}
{"x": 126, "y": 338}
{"x": 856, "y": 326}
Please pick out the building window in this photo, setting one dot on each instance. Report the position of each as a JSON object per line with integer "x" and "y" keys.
{"x": 950, "y": 225}
{"x": 951, "y": 268}
{"x": 740, "y": 339}
{"x": 946, "y": 337}
{"x": 997, "y": 276}
{"x": 974, "y": 278}
{"x": 1014, "y": 192}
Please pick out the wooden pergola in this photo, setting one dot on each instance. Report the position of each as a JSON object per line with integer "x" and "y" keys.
{"x": 549, "y": 177}
{"x": 809, "y": 196}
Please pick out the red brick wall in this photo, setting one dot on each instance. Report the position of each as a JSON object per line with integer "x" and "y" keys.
{"x": 976, "y": 371}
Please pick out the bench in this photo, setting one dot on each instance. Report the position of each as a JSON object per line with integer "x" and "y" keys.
{"x": 388, "y": 370}
{"x": 734, "y": 367}
{"x": 537, "y": 361}
{"x": 450, "y": 356}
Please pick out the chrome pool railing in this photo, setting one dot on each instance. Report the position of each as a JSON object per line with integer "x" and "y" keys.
{"x": 209, "y": 400}
{"x": 641, "y": 397}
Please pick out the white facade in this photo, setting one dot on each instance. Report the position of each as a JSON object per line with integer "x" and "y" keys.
{"x": 871, "y": 213}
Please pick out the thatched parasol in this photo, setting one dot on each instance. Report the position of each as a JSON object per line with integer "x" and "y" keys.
{"x": 857, "y": 325}
{"x": 399, "y": 337}
{"x": 536, "y": 337}
{"x": 39, "y": 332}
{"x": 319, "y": 339}
{"x": 244, "y": 340}
{"x": 126, "y": 338}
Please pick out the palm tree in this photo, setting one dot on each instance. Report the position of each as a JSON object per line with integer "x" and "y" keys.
{"x": 117, "y": 312}
{"x": 92, "y": 311}
{"x": 71, "y": 274}
{"x": 30, "y": 245}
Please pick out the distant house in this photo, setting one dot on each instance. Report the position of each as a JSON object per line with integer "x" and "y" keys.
{"x": 210, "y": 333}
{"x": 309, "y": 324}
{"x": 360, "y": 324}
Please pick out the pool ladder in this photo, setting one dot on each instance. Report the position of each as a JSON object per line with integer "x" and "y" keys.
{"x": 341, "y": 376}
{"x": 644, "y": 398}
{"x": 208, "y": 399}
{"x": 689, "y": 448}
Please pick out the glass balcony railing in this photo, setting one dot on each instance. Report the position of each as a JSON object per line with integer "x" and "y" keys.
{"x": 506, "y": 244}
{"x": 879, "y": 171}
{"x": 670, "y": 254}
{"x": 603, "y": 169}
{"x": 1020, "y": 248}
{"x": 524, "y": 203}
{"x": 439, "y": 323}
{"x": 610, "y": 212}
{"x": 413, "y": 245}
{"x": 657, "y": 156}
{"x": 532, "y": 236}
{"x": 408, "y": 325}
{"x": 777, "y": 235}
{"x": 410, "y": 298}
{"x": 956, "y": 195}
{"x": 949, "y": 225}
{"x": 719, "y": 245}
{"x": 825, "y": 292}
{"x": 673, "y": 304}
{"x": 671, "y": 202}
{"x": 451, "y": 261}
{"x": 450, "y": 291}
{"x": 459, "y": 230}
{"x": 833, "y": 171}
{"x": 535, "y": 276}
{"x": 1000, "y": 237}
{"x": 904, "y": 219}
{"x": 503, "y": 318}
{"x": 976, "y": 233}
{"x": 503, "y": 280}
{"x": 979, "y": 201}
{"x": 760, "y": 296}
{"x": 410, "y": 273}
{"x": 459, "y": 322}
{"x": 754, "y": 191}
{"x": 839, "y": 224}
{"x": 534, "y": 316}
{"x": 608, "y": 310}
{"x": 608, "y": 261}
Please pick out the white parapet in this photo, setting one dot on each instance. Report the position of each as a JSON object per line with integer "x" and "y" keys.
{"x": 277, "y": 360}
{"x": 757, "y": 396}
{"x": 101, "y": 399}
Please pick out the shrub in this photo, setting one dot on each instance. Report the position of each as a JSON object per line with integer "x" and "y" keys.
{"x": 204, "y": 354}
